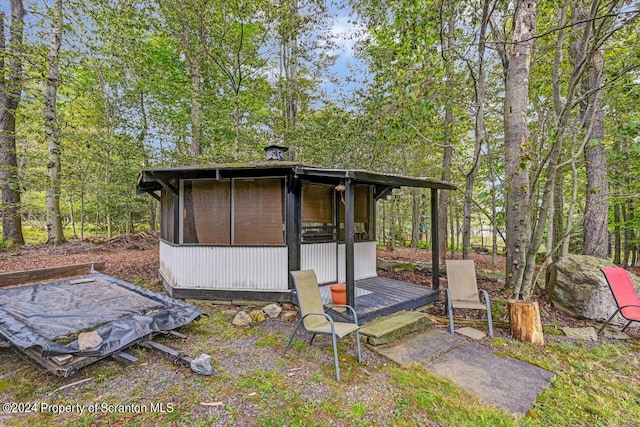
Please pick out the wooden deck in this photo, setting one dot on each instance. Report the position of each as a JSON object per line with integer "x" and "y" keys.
{"x": 387, "y": 296}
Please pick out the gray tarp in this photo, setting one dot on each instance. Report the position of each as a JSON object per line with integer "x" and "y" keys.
{"x": 37, "y": 315}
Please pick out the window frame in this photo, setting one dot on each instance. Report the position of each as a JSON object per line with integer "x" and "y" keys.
{"x": 329, "y": 237}
{"x": 283, "y": 188}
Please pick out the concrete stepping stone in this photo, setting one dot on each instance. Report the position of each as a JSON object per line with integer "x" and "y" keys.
{"x": 507, "y": 383}
{"x": 501, "y": 381}
{"x": 420, "y": 347}
{"x": 474, "y": 333}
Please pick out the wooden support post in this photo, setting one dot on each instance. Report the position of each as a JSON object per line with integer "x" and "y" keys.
{"x": 349, "y": 230}
{"x": 293, "y": 223}
{"x": 435, "y": 246}
{"x": 524, "y": 317}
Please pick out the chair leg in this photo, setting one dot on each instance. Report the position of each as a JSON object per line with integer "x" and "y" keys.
{"x": 311, "y": 341}
{"x": 450, "y": 310}
{"x": 335, "y": 356}
{"x": 358, "y": 345}
{"x": 489, "y": 320}
{"x": 626, "y": 326}
{"x": 607, "y": 322}
{"x": 292, "y": 335}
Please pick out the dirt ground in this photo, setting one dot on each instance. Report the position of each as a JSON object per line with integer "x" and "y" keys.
{"x": 244, "y": 388}
{"x": 135, "y": 259}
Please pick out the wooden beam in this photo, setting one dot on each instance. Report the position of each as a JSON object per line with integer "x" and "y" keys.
{"x": 293, "y": 209}
{"x": 382, "y": 191}
{"x": 162, "y": 180}
{"x": 349, "y": 230}
{"x": 435, "y": 245}
{"x": 51, "y": 273}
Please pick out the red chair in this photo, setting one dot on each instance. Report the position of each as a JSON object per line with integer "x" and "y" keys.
{"x": 624, "y": 294}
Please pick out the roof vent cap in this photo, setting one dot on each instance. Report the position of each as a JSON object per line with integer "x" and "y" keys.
{"x": 275, "y": 152}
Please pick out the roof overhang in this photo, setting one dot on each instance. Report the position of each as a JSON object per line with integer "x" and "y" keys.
{"x": 152, "y": 180}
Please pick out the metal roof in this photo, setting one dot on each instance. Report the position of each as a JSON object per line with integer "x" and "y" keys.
{"x": 151, "y": 180}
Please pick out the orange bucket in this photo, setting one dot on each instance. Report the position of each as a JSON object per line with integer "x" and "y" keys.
{"x": 339, "y": 294}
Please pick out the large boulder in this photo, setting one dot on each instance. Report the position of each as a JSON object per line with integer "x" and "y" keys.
{"x": 576, "y": 285}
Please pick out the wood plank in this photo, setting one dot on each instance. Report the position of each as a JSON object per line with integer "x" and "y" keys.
{"x": 42, "y": 274}
{"x": 389, "y": 296}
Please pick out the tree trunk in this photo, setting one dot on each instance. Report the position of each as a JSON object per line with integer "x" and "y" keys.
{"x": 82, "y": 213}
{"x": 572, "y": 207}
{"x": 10, "y": 92}
{"x": 554, "y": 245}
{"x": 196, "y": 109}
{"x": 626, "y": 247}
{"x": 494, "y": 225}
{"x": 415, "y": 227}
{"x": 452, "y": 227}
{"x": 471, "y": 176}
{"x": 518, "y": 58}
{"x": 55, "y": 231}
{"x": 524, "y": 319}
{"x": 447, "y": 157}
{"x": 292, "y": 81}
{"x": 596, "y": 210}
{"x": 616, "y": 233}
{"x": 194, "y": 67}
{"x": 393, "y": 222}
{"x": 458, "y": 227}
{"x": 72, "y": 218}
{"x": 384, "y": 223}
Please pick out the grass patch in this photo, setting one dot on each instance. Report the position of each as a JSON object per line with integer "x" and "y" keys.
{"x": 270, "y": 341}
{"x": 422, "y": 396}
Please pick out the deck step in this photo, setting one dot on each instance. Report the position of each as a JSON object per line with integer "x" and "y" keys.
{"x": 385, "y": 330}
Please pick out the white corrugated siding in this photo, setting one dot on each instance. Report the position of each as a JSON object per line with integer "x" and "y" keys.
{"x": 364, "y": 260}
{"x": 321, "y": 258}
{"x": 227, "y": 268}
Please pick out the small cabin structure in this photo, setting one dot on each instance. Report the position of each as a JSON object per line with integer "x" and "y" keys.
{"x": 233, "y": 232}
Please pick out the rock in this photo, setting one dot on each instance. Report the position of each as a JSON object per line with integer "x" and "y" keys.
{"x": 587, "y": 334}
{"x": 272, "y": 310}
{"x": 257, "y": 316}
{"x": 89, "y": 340}
{"x": 290, "y": 316}
{"x": 576, "y": 285}
{"x": 242, "y": 319}
{"x": 471, "y": 333}
{"x": 614, "y": 334}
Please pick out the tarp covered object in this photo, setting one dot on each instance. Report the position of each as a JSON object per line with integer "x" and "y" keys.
{"x": 35, "y": 316}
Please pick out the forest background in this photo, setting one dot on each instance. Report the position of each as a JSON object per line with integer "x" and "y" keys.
{"x": 530, "y": 108}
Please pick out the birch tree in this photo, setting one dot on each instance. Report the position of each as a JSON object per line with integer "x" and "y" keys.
{"x": 55, "y": 232}
{"x": 516, "y": 61}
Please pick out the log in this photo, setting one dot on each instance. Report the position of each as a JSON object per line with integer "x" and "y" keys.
{"x": 524, "y": 317}
{"x": 51, "y": 273}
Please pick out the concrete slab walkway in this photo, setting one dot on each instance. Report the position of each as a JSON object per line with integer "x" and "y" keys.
{"x": 508, "y": 383}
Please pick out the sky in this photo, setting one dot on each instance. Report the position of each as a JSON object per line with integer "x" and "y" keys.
{"x": 351, "y": 70}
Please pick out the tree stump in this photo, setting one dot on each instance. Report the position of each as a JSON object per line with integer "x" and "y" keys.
{"x": 524, "y": 317}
